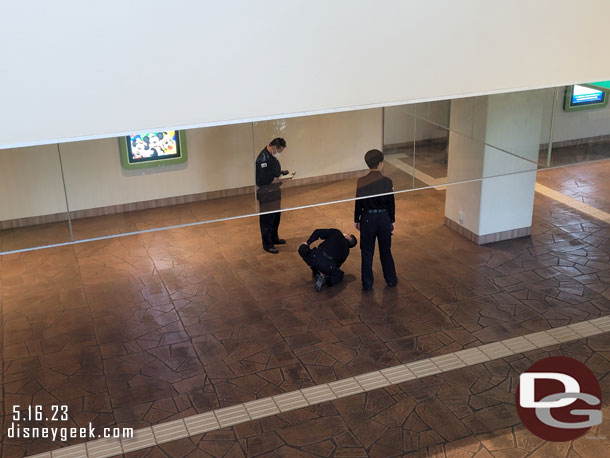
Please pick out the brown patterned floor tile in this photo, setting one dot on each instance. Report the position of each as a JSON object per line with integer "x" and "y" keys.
{"x": 159, "y": 325}
{"x": 318, "y": 430}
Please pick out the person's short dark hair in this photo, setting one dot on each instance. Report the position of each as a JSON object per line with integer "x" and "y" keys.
{"x": 278, "y": 142}
{"x": 373, "y": 158}
{"x": 353, "y": 242}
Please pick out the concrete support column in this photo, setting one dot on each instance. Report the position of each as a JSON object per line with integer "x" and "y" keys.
{"x": 494, "y": 141}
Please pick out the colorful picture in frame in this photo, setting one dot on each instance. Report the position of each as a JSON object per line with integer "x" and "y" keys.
{"x": 151, "y": 149}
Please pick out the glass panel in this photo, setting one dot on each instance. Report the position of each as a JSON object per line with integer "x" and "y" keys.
{"x": 436, "y": 112}
{"x": 518, "y": 122}
{"x": 578, "y": 135}
{"x": 32, "y": 201}
{"x": 110, "y": 192}
{"x": 431, "y": 154}
{"x": 116, "y": 190}
{"x": 399, "y": 133}
{"x": 326, "y": 153}
{"x": 470, "y": 159}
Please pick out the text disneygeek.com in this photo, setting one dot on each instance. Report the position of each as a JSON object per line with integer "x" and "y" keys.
{"x": 57, "y": 413}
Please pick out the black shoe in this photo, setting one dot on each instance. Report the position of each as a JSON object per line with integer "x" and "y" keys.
{"x": 392, "y": 284}
{"x": 271, "y": 249}
{"x": 367, "y": 288}
{"x": 320, "y": 282}
{"x": 280, "y": 242}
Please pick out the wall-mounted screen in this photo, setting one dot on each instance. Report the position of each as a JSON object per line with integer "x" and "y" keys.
{"x": 153, "y": 149}
{"x": 579, "y": 97}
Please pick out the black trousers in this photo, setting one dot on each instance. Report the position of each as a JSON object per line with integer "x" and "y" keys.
{"x": 270, "y": 223}
{"x": 376, "y": 226}
{"x": 319, "y": 263}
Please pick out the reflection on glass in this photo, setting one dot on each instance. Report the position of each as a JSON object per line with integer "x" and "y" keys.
{"x": 470, "y": 159}
{"x": 32, "y": 202}
{"x": 578, "y": 135}
{"x": 436, "y": 112}
{"x": 421, "y": 153}
{"x": 147, "y": 180}
{"x": 399, "y": 140}
{"x": 108, "y": 197}
{"x": 431, "y": 154}
{"x": 519, "y": 122}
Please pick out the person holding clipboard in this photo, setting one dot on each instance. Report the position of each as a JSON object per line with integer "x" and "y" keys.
{"x": 269, "y": 175}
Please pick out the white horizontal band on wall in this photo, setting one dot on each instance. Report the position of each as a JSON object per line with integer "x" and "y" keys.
{"x": 78, "y": 70}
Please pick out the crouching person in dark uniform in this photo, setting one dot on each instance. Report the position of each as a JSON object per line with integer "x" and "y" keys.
{"x": 325, "y": 260}
{"x": 374, "y": 218}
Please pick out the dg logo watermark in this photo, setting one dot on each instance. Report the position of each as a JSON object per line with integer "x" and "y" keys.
{"x": 559, "y": 399}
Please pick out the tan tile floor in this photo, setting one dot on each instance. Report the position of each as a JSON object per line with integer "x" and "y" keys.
{"x": 144, "y": 329}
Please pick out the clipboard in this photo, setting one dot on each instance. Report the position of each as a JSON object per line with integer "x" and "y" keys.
{"x": 290, "y": 176}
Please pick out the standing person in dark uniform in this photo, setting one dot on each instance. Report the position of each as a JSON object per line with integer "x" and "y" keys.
{"x": 325, "y": 260}
{"x": 269, "y": 194}
{"x": 374, "y": 218}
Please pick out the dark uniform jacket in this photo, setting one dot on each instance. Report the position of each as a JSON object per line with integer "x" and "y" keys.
{"x": 334, "y": 245}
{"x": 267, "y": 168}
{"x": 372, "y": 184}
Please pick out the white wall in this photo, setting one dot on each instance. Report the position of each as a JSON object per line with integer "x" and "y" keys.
{"x": 218, "y": 158}
{"x": 324, "y": 144}
{"x": 78, "y": 69}
{"x": 400, "y": 126}
{"x": 30, "y": 182}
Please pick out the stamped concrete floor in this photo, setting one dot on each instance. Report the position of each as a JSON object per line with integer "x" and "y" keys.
{"x": 465, "y": 413}
{"x": 149, "y": 328}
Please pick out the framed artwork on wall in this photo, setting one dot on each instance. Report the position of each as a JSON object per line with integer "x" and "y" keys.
{"x": 152, "y": 149}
